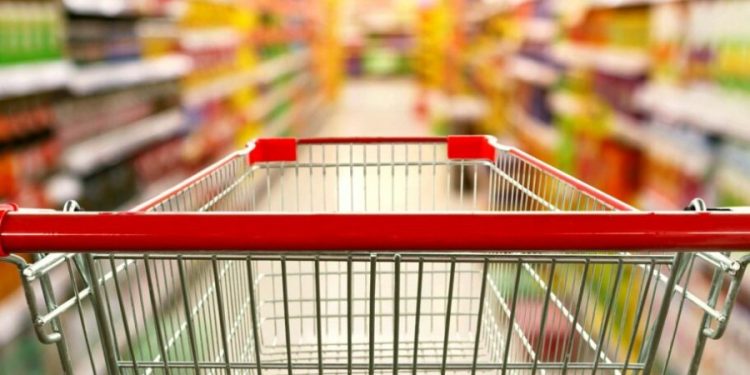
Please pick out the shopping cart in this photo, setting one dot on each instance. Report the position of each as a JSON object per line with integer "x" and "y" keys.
{"x": 375, "y": 255}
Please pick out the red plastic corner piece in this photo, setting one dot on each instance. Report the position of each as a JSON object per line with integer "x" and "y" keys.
{"x": 471, "y": 147}
{"x": 4, "y": 209}
{"x": 273, "y": 149}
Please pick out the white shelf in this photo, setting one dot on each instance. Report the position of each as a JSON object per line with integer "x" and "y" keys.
{"x": 548, "y": 136}
{"x": 629, "y": 131}
{"x": 691, "y": 160}
{"x": 626, "y": 3}
{"x": 104, "y": 8}
{"x": 568, "y": 103}
{"x": 153, "y": 189}
{"x": 705, "y": 107}
{"x": 263, "y": 106}
{"x": 218, "y": 89}
{"x": 109, "y": 147}
{"x": 201, "y": 39}
{"x": 30, "y": 78}
{"x": 616, "y": 61}
{"x": 540, "y": 29}
{"x": 529, "y": 70}
{"x": 103, "y": 76}
{"x": 115, "y": 8}
{"x": 274, "y": 68}
{"x": 225, "y": 86}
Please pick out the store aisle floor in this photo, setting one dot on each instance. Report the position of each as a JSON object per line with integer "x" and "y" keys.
{"x": 375, "y": 108}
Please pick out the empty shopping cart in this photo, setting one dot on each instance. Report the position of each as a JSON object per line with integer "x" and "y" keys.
{"x": 378, "y": 255}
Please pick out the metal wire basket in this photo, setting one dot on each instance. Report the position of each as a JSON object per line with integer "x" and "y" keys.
{"x": 374, "y": 255}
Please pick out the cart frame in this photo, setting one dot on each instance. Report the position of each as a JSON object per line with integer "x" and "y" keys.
{"x": 526, "y": 239}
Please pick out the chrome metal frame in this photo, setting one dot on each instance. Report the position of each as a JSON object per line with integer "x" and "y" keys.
{"x": 333, "y": 312}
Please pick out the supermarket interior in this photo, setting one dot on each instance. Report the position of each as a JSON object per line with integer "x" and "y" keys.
{"x": 110, "y": 102}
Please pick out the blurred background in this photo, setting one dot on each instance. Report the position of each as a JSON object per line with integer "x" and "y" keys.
{"x": 110, "y": 102}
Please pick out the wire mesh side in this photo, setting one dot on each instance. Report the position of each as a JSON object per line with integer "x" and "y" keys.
{"x": 521, "y": 312}
{"x": 361, "y": 312}
{"x": 380, "y": 178}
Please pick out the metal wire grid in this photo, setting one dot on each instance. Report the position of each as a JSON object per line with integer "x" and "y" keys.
{"x": 316, "y": 312}
{"x": 341, "y": 313}
{"x": 381, "y": 178}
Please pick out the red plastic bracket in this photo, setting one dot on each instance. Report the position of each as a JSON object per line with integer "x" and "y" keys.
{"x": 471, "y": 147}
{"x": 273, "y": 149}
{"x": 4, "y": 208}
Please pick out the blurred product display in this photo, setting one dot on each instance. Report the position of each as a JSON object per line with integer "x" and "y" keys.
{"x": 111, "y": 102}
{"x": 646, "y": 100}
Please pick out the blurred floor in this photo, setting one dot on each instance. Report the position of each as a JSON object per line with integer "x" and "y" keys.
{"x": 375, "y": 108}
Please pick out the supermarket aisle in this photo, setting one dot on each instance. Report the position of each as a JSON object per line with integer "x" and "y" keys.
{"x": 393, "y": 180}
{"x": 375, "y": 108}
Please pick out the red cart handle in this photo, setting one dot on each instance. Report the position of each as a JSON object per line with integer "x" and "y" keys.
{"x": 459, "y": 146}
{"x": 135, "y": 232}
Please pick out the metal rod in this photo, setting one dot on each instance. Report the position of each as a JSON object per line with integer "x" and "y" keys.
{"x": 188, "y": 315}
{"x": 641, "y": 306}
{"x": 417, "y": 312}
{"x": 254, "y": 315}
{"x": 396, "y": 309}
{"x": 545, "y": 310}
{"x": 480, "y": 311}
{"x": 569, "y": 344}
{"x": 287, "y": 333}
{"x": 607, "y": 315}
{"x": 349, "y": 320}
{"x": 371, "y": 326}
{"x": 509, "y": 333}
{"x": 451, "y": 278}
{"x": 318, "y": 326}
{"x": 155, "y": 312}
{"x": 653, "y": 343}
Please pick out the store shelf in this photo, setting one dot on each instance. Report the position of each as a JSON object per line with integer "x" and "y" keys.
{"x": 263, "y": 106}
{"x": 270, "y": 70}
{"x": 153, "y": 189}
{"x": 568, "y": 103}
{"x": 31, "y": 78}
{"x": 109, "y": 9}
{"x": 39, "y": 77}
{"x": 615, "y": 61}
{"x": 628, "y": 130}
{"x": 540, "y": 29}
{"x": 209, "y": 38}
{"x": 547, "y": 136}
{"x": 265, "y": 72}
{"x": 104, "y": 76}
{"x": 705, "y": 107}
{"x": 112, "y": 146}
{"x": 532, "y": 71}
{"x": 690, "y": 160}
{"x": 627, "y": 3}
{"x": 218, "y": 88}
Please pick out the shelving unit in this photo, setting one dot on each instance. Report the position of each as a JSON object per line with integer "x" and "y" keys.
{"x": 646, "y": 99}
{"x": 117, "y": 121}
{"x": 27, "y": 79}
